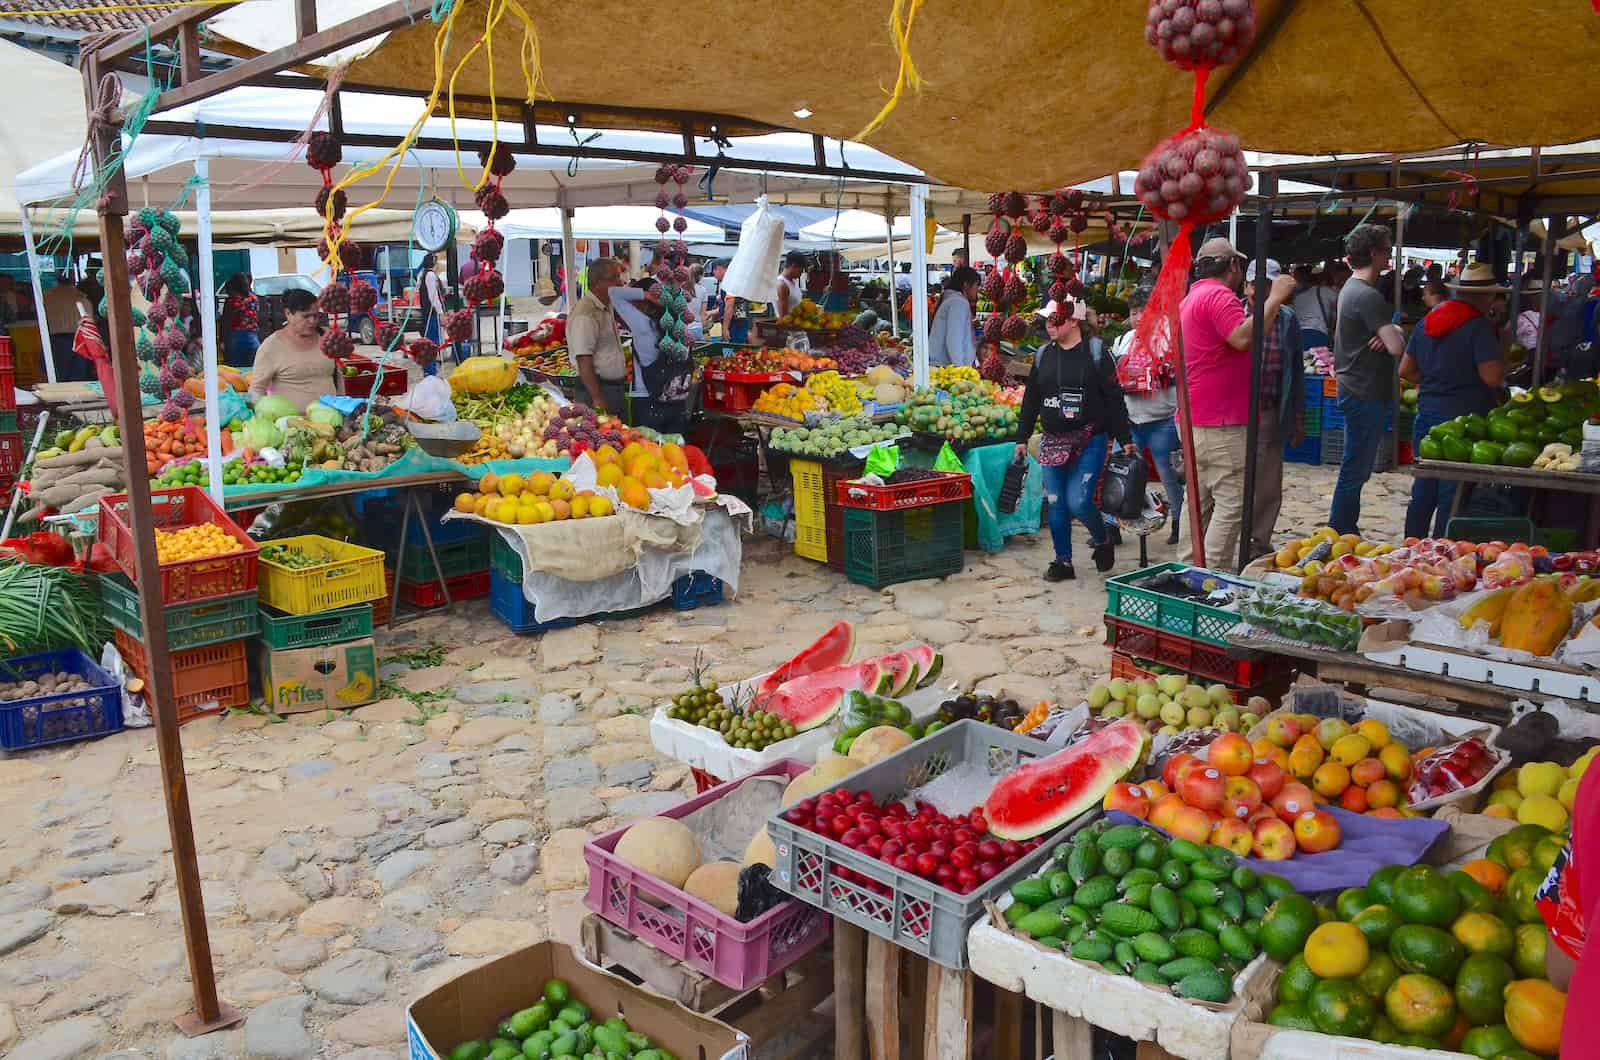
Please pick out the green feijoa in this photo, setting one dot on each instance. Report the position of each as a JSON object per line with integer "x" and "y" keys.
{"x": 1150, "y": 853}
{"x": 1122, "y": 837}
{"x": 573, "y": 1013}
{"x": 1186, "y": 850}
{"x": 1255, "y": 903}
{"x": 1096, "y": 892}
{"x": 1139, "y": 895}
{"x": 1135, "y": 877}
{"x": 1209, "y": 984}
{"x": 538, "y": 1044}
{"x": 1016, "y": 911}
{"x": 1154, "y": 947}
{"x": 1083, "y": 863}
{"x": 1244, "y": 877}
{"x": 610, "y": 1040}
{"x": 1127, "y": 920}
{"x": 1039, "y": 924}
{"x": 508, "y": 1031}
{"x": 1176, "y": 969}
{"x": 1076, "y": 932}
{"x": 1053, "y": 942}
{"x": 1207, "y": 869}
{"x": 504, "y": 1051}
{"x": 1212, "y": 918}
{"x": 1231, "y": 902}
{"x": 1146, "y": 972}
{"x": 565, "y": 1045}
{"x": 1175, "y": 873}
{"x": 1054, "y": 905}
{"x": 1117, "y": 861}
{"x": 636, "y": 1040}
{"x": 1074, "y": 913}
{"x": 1125, "y": 956}
{"x": 1061, "y": 885}
{"x": 557, "y": 993}
{"x": 1252, "y": 927}
{"x": 1167, "y": 907}
{"x": 1236, "y": 942}
{"x": 1275, "y": 886}
{"x": 1201, "y": 892}
{"x": 1191, "y": 912}
{"x": 474, "y": 1050}
{"x": 1033, "y": 891}
{"x": 1061, "y": 853}
{"x": 1092, "y": 948}
{"x": 1192, "y": 942}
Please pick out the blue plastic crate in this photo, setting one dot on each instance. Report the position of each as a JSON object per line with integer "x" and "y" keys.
{"x": 46, "y": 719}
{"x": 512, "y": 607}
{"x": 1307, "y": 452}
{"x": 693, "y": 590}
{"x": 380, "y": 524}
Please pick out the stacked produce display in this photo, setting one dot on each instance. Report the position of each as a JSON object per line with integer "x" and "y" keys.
{"x": 1540, "y": 429}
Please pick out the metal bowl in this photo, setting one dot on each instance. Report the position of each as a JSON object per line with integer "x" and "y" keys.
{"x": 444, "y": 440}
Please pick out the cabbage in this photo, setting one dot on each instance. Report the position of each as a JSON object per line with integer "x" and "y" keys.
{"x": 317, "y": 412}
{"x": 273, "y": 407}
{"x": 262, "y": 433}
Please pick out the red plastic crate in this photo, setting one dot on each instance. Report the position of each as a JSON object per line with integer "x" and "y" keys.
{"x": 431, "y": 594}
{"x": 833, "y": 511}
{"x": 1125, "y": 667}
{"x": 380, "y": 608}
{"x": 1405, "y": 456}
{"x": 182, "y": 580}
{"x": 10, "y": 453}
{"x": 949, "y": 486}
{"x": 8, "y": 377}
{"x": 737, "y": 391}
{"x": 703, "y": 781}
{"x": 1189, "y": 655}
{"x": 360, "y": 385}
{"x": 204, "y": 680}
{"x": 737, "y": 954}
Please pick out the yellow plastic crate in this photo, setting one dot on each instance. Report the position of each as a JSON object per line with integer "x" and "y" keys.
{"x": 351, "y": 575}
{"x": 810, "y": 511}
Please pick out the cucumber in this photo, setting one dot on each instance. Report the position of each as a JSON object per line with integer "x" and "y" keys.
{"x": 1117, "y": 861}
{"x": 1201, "y": 892}
{"x": 1205, "y": 985}
{"x": 1135, "y": 877}
{"x": 1186, "y": 850}
{"x": 1236, "y": 942}
{"x": 1192, "y": 942}
{"x": 1125, "y": 956}
{"x": 1061, "y": 884}
{"x": 1208, "y": 869}
{"x": 1121, "y": 918}
{"x": 1154, "y": 947}
{"x": 1175, "y": 873}
{"x": 1083, "y": 863}
{"x": 1146, "y": 972}
{"x": 1092, "y": 948}
{"x": 1174, "y": 970}
{"x": 1139, "y": 895}
{"x": 1166, "y": 906}
{"x": 1034, "y": 891}
{"x": 1040, "y": 923}
{"x": 1150, "y": 853}
{"x": 1122, "y": 837}
{"x": 1095, "y": 893}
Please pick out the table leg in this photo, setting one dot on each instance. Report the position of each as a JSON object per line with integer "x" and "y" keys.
{"x": 427, "y": 537}
{"x": 1007, "y": 1023}
{"x": 1071, "y": 1037}
{"x": 883, "y": 999}
{"x": 948, "y": 1034}
{"x": 849, "y": 991}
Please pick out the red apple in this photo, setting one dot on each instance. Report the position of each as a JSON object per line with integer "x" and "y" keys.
{"x": 1284, "y": 731}
{"x": 1316, "y": 831}
{"x": 1270, "y": 777}
{"x": 1164, "y": 810}
{"x": 1203, "y": 788}
{"x": 1129, "y": 798}
{"x": 1241, "y": 790}
{"x": 1170, "y": 772}
{"x": 1292, "y": 801}
{"x": 1233, "y": 835}
{"x": 1262, "y": 813}
{"x": 1192, "y": 824}
{"x": 1367, "y": 772}
{"x": 1231, "y": 754}
{"x": 1273, "y": 840}
{"x": 1154, "y": 789}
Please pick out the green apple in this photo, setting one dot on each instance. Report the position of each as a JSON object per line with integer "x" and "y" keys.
{"x": 1099, "y": 696}
{"x": 1172, "y": 714}
{"x": 1147, "y": 707}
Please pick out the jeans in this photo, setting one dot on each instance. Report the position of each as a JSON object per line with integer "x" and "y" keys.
{"x": 242, "y": 347}
{"x": 1267, "y": 502}
{"x": 1431, "y": 498}
{"x": 430, "y": 331}
{"x": 1070, "y": 490}
{"x": 1161, "y": 438}
{"x": 1363, "y": 433}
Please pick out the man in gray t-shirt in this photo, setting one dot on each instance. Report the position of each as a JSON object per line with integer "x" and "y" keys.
{"x": 1363, "y": 372}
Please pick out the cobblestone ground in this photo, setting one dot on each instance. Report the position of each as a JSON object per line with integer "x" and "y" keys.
{"x": 351, "y": 861}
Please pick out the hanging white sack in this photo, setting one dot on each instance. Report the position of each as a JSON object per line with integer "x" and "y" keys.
{"x": 753, "y": 272}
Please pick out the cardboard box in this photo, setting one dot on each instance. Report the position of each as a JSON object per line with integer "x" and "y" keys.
{"x": 471, "y": 1006}
{"x": 324, "y": 677}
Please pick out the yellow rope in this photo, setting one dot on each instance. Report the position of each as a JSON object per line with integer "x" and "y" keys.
{"x": 901, "y": 15}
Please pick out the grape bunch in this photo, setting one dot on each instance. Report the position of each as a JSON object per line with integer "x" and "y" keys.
{"x": 703, "y": 705}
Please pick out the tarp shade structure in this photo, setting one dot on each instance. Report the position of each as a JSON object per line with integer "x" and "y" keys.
{"x": 51, "y": 121}
{"x": 598, "y": 222}
{"x": 1099, "y": 98}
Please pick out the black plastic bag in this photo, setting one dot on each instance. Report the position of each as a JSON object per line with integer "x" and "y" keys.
{"x": 1011, "y": 484}
{"x": 1122, "y": 488}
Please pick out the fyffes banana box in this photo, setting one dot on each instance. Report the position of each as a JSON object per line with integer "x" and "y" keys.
{"x": 323, "y": 677}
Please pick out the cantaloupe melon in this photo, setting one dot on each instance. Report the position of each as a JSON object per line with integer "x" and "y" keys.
{"x": 813, "y": 781}
{"x": 878, "y": 742}
{"x": 761, "y": 849}
{"x": 716, "y": 883}
{"x": 664, "y": 848}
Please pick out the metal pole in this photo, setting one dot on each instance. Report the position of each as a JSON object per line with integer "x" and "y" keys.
{"x": 966, "y": 236}
{"x": 919, "y": 285}
{"x": 38, "y": 297}
{"x": 1399, "y": 270}
{"x": 1258, "y": 338}
{"x": 207, "y": 308}
{"x": 569, "y": 259}
{"x": 1549, "y": 273}
{"x": 210, "y": 1013}
{"x": 1517, "y": 271}
{"x": 894, "y": 292}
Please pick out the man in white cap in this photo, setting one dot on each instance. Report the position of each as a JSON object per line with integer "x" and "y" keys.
{"x": 1217, "y": 335}
{"x": 1280, "y": 397}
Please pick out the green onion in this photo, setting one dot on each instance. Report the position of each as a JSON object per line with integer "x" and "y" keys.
{"x": 45, "y": 607}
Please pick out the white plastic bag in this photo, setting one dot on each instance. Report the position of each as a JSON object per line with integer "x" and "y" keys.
{"x": 135, "y": 714}
{"x": 753, "y": 272}
{"x": 431, "y": 400}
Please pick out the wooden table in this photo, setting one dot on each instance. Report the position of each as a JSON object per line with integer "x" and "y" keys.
{"x": 1496, "y": 475}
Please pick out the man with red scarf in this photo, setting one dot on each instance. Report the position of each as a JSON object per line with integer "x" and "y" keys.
{"x": 1457, "y": 357}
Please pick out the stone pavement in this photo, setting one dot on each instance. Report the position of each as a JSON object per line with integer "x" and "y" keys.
{"x": 352, "y": 861}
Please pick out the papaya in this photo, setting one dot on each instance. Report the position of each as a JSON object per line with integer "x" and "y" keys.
{"x": 1537, "y": 617}
{"x": 1490, "y": 609}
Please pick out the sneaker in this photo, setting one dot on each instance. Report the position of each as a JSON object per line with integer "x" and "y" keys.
{"x": 1172, "y": 533}
{"x": 1105, "y": 557}
{"x": 1059, "y": 572}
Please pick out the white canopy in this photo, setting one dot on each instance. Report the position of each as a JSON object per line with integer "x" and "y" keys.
{"x": 598, "y": 222}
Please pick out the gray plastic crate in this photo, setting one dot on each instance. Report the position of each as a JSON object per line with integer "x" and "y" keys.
{"x": 917, "y": 914}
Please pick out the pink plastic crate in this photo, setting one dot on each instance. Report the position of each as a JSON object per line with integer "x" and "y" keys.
{"x": 737, "y": 954}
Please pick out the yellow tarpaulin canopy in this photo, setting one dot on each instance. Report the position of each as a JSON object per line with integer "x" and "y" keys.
{"x": 1364, "y": 76}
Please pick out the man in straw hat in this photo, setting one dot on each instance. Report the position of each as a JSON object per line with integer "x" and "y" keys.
{"x": 1457, "y": 358}
{"x": 1365, "y": 345}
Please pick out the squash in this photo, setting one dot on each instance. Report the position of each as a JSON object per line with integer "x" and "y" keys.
{"x": 1536, "y": 618}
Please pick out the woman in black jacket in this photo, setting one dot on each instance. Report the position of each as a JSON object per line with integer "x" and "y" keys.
{"x": 1073, "y": 394}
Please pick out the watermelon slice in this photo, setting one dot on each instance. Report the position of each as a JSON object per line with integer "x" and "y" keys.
{"x": 1047, "y": 793}
{"x": 831, "y": 649}
{"x": 929, "y": 663}
{"x": 806, "y": 702}
{"x": 900, "y": 673}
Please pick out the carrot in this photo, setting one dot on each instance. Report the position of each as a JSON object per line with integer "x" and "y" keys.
{"x": 227, "y": 440}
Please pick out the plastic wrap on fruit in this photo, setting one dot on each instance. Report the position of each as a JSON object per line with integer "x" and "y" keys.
{"x": 756, "y": 893}
{"x": 1512, "y": 567}
{"x": 1454, "y": 767}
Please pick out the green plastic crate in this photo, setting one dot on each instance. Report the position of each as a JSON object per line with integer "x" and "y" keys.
{"x": 1127, "y": 600}
{"x": 8, "y": 421}
{"x": 1479, "y": 529}
{"x": 210, "y": 621}
{"x": 280, "y": 631}
{"x": 883, "y": 548}
{"x": 455, "y": 559}
{"x": 503, "y": 558}
{"x": 1556, "y": 538}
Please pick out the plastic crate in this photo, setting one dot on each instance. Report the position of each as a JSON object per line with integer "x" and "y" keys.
{"x": 1556, "y": 538}
{"x": 351, "y": 574}
{"x": 503, "y": 558}
{"x": 883, "y": 548}
{"x": 909, "y": 911}
{"x": 512, "y": 607}
{"x": 695, "y": 590}
{"x": 281, "y": 632}
{"x": 182, "y": 581}
{"x": 1333, "y": 419}
{"x": 1405, "y": 455}
{"x": 361, "y": 383}
{"x": 948, "y": 486}
{"x": 204, "y": 680}
{"x": 1477, "y": 529}
{"x": 8, "y": 376}
{"x": 381, "y": 519}
{"x": 41, "y": 720}
{"x": 1333, "y": 450}
{"x": 736, "y": 391}
{"x": 1307, "y": 452}
{"x": 810, "y": 510}
{"x": 738, "y": 954}
{"x": 8, "y": 420}
{"x": 455, "y": 559}
{"x": 10, "y": 452}
{"x": 1127, "y": 667}
{"x": 431, "y": 594}
{"x": 381, "y": 607}
{"x": 1229, "y": 667}
{"x": 1128, "y": 599}
{"x": 193, "y": 625}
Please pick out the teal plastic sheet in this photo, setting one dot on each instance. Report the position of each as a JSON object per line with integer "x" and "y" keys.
{"x": 526, "y": 465}
{"x": 413, "y": 462}
{"x": 987, "y": 465}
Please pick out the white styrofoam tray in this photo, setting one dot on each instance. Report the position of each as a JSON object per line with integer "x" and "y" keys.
{"x": 1519, "y": 677}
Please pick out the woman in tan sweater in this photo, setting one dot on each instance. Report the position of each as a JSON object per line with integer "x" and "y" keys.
{"x": 291, "y": 364}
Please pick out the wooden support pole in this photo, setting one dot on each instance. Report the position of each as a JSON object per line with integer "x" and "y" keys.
{"x": 305, "y": 18}
{"x": 1007, "y": 1023}
{"x": 189, "y": 69}
{"x": 849, "y": 991}
{"x": 209, "y": 1014}
{"x": 948, "y": 1031}
{"x": 883, "y": 999}
{"x": 1071, "y": 1037}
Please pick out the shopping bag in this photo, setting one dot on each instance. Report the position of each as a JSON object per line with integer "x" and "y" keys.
{"x": 1122, "y": 488}
{"x": 753, "y": 271}
{"x": 882, "y": 461}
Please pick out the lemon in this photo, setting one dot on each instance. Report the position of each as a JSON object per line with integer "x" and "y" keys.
{"x": 1337, "y": 950}
{"x": 1568, "y": 795}
{"x": 1542, "y": 810}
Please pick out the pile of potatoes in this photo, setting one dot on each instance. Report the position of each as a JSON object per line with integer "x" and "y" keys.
{"x": 46, "y": 684}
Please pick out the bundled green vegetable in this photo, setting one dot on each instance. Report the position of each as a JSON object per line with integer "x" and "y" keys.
{"x": 43, "y": 608}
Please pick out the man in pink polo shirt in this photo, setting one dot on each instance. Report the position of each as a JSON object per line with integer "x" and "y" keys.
{"x": 1216, "y": 356}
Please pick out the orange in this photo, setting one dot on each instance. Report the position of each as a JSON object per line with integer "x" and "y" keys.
{"x": 562, "y": 490}
{"x": 1534, "y": 1011}
{"x": 604, "y": 455}
{"x": 539, "y": 483}
{"x": 633, "y": 494}
{"x": 1383, "y": 794}
{"x": 654, "y": 480}
{"x": 1486, "y": 872}
{"x": 674, "y": 455}
{"x": 466, "y": 503}
{"x": 1337, "y": 950}
{"x": 580, "y": 506}
{"x": 600, "y": 506}
{"x": 1395, "y": 761}
{"x": 561, "y": 509}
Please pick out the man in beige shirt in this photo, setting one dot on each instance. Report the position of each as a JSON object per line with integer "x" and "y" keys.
{"x": 594, "y": 343}
{"x": 64, "y": 306}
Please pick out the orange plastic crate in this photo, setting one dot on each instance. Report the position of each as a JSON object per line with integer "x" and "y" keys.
{"x": 204, "y": 680}
{"x": 190, "y": 579}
